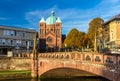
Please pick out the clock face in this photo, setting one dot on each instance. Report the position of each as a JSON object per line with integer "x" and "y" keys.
{"x": 49, "y": 39}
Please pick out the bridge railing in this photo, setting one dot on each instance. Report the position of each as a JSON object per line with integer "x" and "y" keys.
{"x": 107, "y": 61}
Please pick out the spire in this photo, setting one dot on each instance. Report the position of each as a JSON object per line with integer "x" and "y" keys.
{"x": 52, "y": 13}
{"x": 58, "y": 20}
{"x": 42, "y": 20}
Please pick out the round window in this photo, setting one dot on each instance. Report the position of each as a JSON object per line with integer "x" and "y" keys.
{"x": 49, "y": 39}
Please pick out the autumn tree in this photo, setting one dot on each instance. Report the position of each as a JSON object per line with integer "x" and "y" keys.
{"x": 74, "y": 39}
{"x": 95, "y": 28}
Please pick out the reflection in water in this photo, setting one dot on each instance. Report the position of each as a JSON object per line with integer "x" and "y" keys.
{"x": 63, "y": 79}
{"x": 35, "y": 80}
{"x": 75, "y": 79}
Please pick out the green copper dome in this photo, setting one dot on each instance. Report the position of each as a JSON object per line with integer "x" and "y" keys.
{"x": 52, "y": 19}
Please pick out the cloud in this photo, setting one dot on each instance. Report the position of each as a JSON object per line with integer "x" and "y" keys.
{"x": 69, "y": 20}
{"x": 76, "y": 18}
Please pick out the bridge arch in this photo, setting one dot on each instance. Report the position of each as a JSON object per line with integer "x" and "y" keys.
{"x": 65, "y": 71}
{"x": 47, "y": 65}
{"x": 99, "y": 64}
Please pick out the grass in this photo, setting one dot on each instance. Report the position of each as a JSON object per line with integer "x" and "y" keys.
{"x": 14, "y": 71}
{"x": 10, "y": 74}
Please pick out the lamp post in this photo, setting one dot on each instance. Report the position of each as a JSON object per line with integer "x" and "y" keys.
{"x": 65, "y": 47}
{"x": 28, "y": 44}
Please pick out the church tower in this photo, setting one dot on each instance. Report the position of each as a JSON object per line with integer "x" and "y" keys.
{"x": 50, "y": 33}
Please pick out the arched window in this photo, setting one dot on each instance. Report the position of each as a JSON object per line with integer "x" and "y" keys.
{"x": 49, "y": 39}
{"x": 57, "y": 32}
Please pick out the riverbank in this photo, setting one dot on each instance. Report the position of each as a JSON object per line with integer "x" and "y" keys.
{"x": 14, "y": 74}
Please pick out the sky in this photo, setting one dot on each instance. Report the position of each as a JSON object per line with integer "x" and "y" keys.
{"x": 73, "y": 13}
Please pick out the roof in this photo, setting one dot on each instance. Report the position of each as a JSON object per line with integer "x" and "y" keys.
{"x": 58, "y": 20}
{"x": 52, "y": 19}
{"x": 42, "y": 20}
{"x": 17, "y": 28}
{"x": 113, "y": 18}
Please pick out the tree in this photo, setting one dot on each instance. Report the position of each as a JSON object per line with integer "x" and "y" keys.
{"x": 74, "y": 39}
{"x": 95, "y": 27}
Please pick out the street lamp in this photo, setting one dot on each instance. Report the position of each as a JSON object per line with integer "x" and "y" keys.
{"x": 28, "y": 44}
{"x": 65, "y": 47}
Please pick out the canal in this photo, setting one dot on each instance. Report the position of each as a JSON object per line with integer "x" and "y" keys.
{"x": 63, "y": 79}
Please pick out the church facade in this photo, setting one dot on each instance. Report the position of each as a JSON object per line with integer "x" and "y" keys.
{"x": 50, "y": 33}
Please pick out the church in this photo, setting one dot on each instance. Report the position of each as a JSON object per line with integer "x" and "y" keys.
{"x": 50, "y": 33}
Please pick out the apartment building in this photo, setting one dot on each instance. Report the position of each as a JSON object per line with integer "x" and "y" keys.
{"x": 17, "y": 40}
{"x": 112, "y": 32}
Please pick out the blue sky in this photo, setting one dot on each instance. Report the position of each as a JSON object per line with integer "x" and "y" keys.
{"x": 73, "y": 13}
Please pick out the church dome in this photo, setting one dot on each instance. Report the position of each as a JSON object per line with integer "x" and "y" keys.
{"x": 52, "y": 19}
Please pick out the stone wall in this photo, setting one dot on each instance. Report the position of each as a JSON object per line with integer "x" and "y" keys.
{"x": 15, "y": 63}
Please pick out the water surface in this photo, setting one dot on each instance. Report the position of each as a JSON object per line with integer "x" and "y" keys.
{"x": 63, "y": 79}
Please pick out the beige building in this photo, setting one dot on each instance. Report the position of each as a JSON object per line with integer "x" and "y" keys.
{"x": 16, "y": 40}
{"x": 112, "y": 32}
{"x": 50, "y": 33}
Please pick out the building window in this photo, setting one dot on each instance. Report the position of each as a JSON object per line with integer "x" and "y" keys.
{"x": 15, "y": 33}
{"x": 2, "y": 41}
{"x": 18, "y": 42}
{"x": 47, "y": 29}
{"x": 9, "y": 32}
{"x": 11, "y": 41}
{"x": 12, "y": 33}
{"x": 26, "y": 43}
{"x": 57, "y": 32}
{"x": 22, "y": 34}
{"x": 51, "y": 29}
{"x": 41, "y": 31}
{"x": 112, "y": 34}
{"x": 49, "y": 39}
{"x": 6, "y": 32}
{"x": 32, "y": 43}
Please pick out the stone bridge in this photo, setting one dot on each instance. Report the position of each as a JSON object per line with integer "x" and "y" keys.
{"x": 105, "y": 65}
